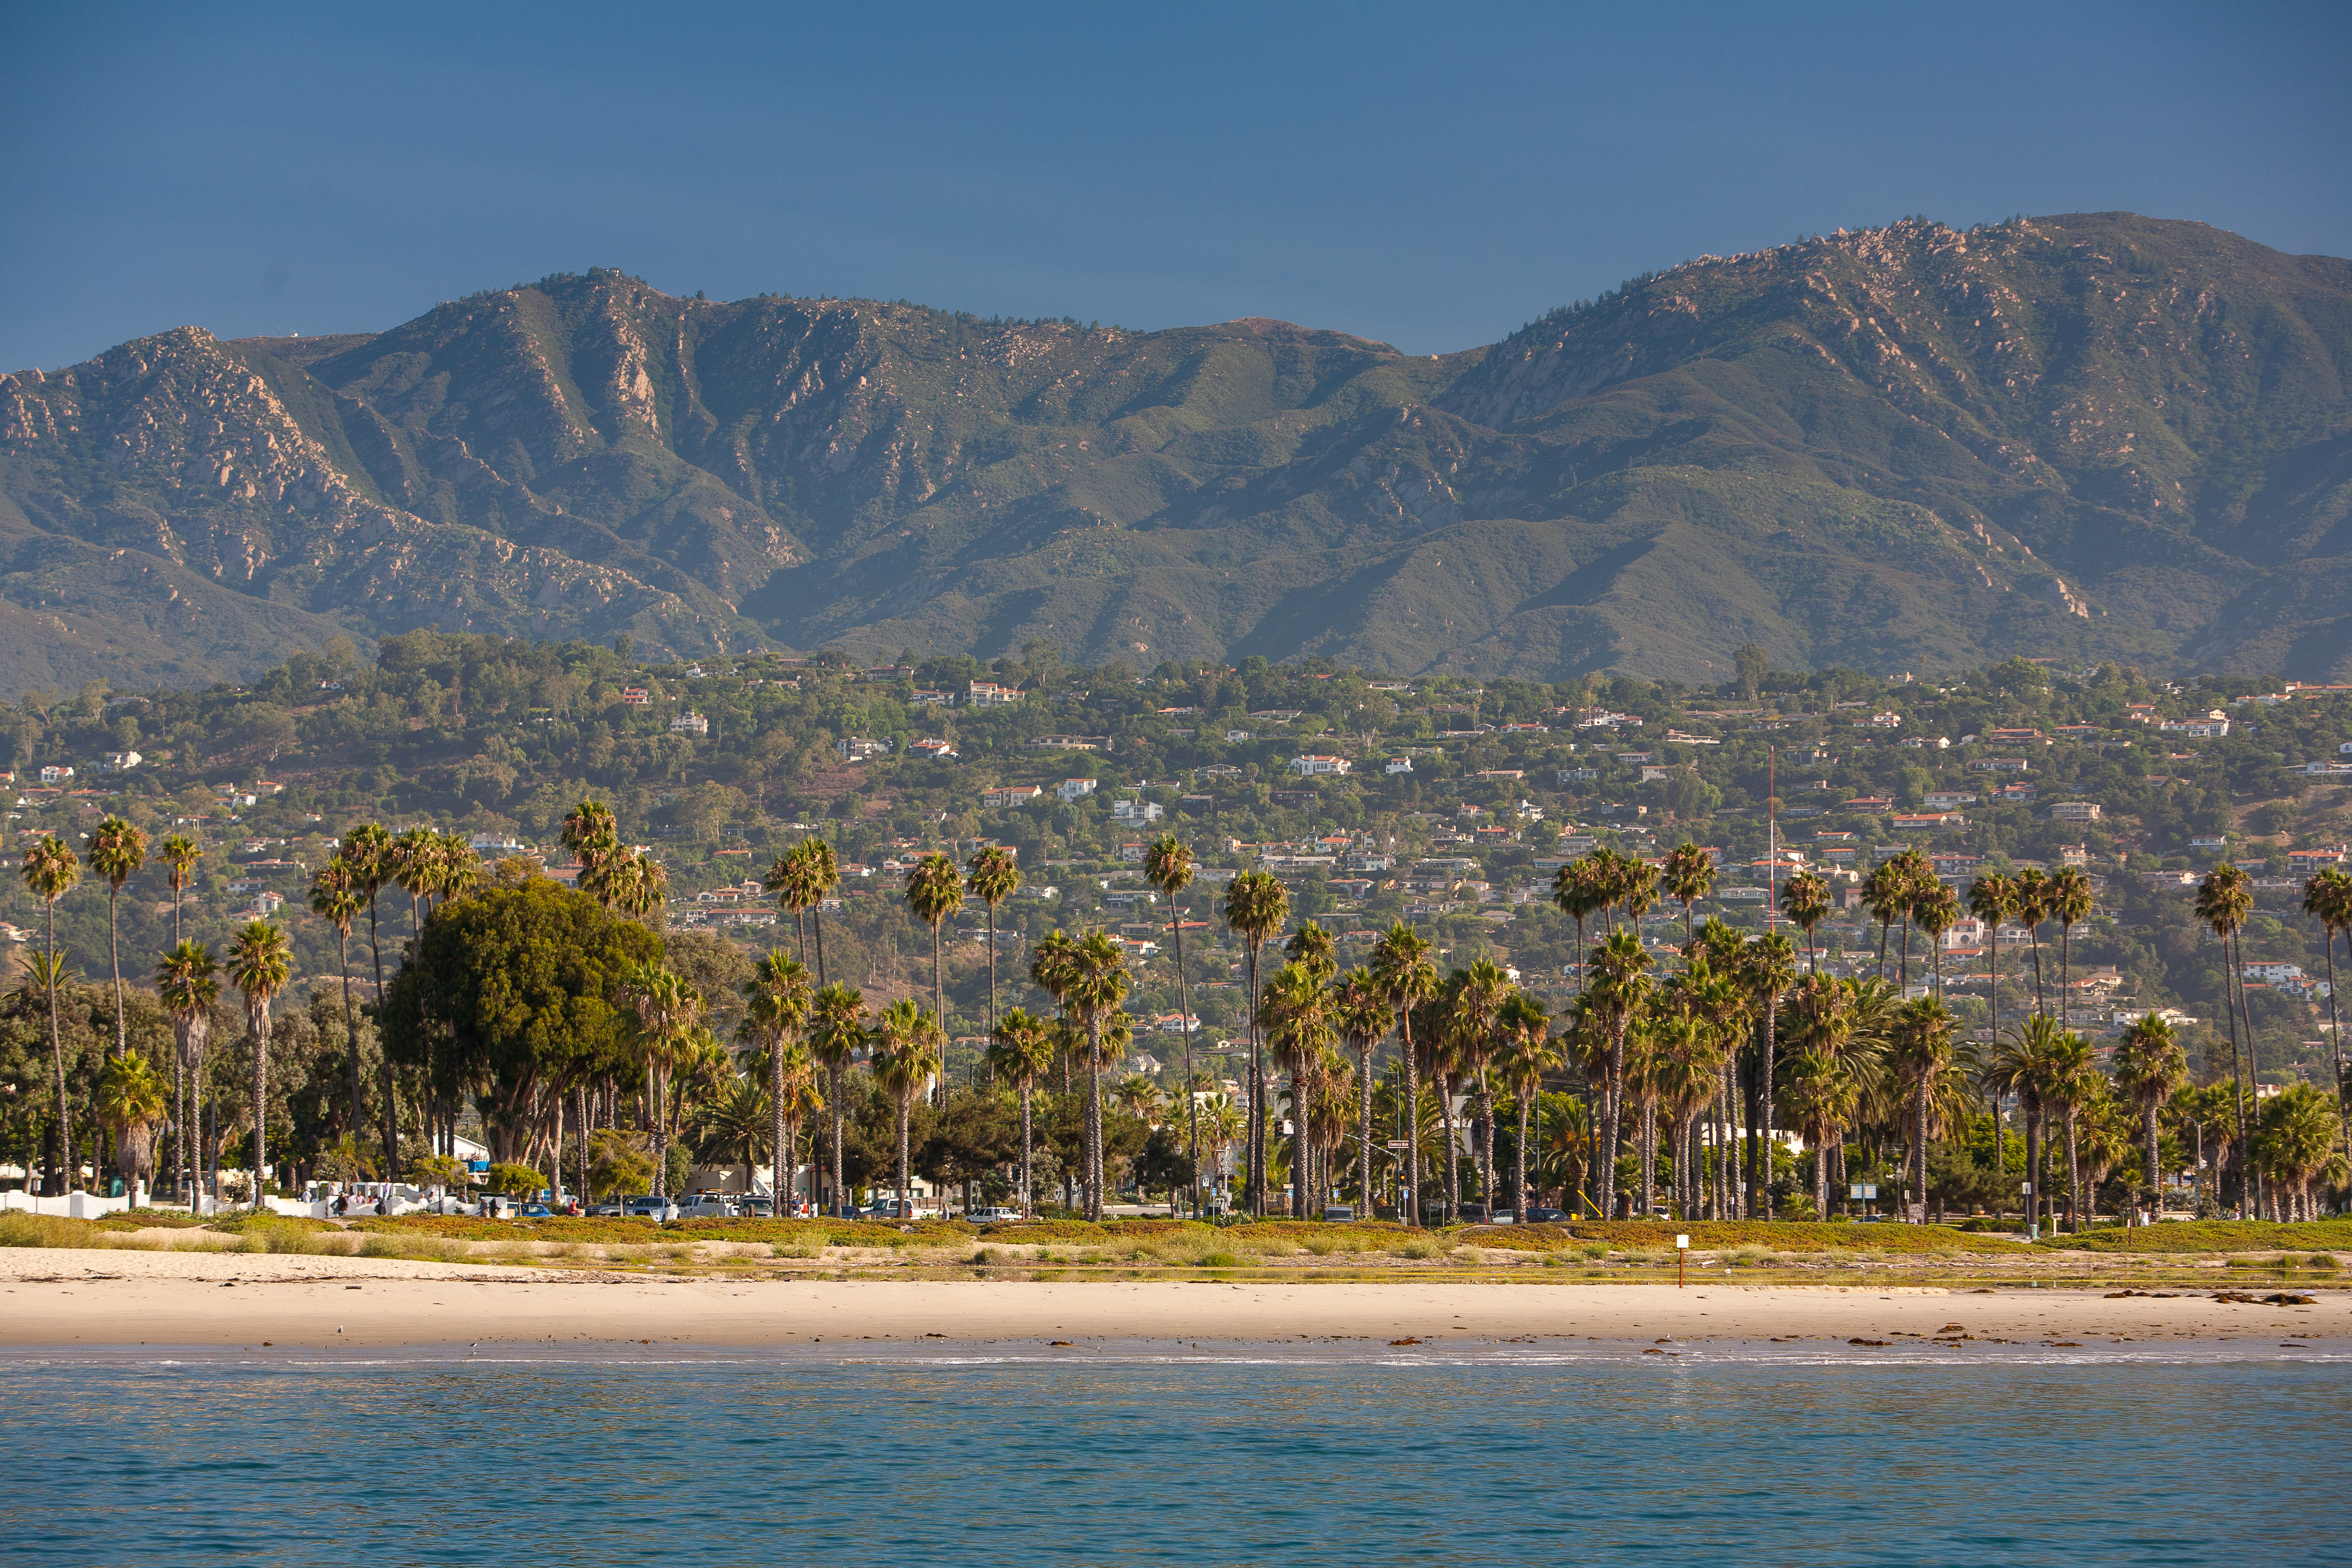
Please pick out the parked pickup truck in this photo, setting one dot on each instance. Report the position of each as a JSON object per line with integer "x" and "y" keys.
{"x": 704, "y": 1205}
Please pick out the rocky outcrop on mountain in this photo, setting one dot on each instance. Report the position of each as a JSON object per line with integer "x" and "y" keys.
{"x": 2091, "y": 437}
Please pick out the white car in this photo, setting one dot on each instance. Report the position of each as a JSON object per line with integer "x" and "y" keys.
{"x": 994, "y": 1216}
{"x": 704, "y": 1205}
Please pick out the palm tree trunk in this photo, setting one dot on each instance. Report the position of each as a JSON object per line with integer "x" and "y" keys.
{"x": 57, "y": 1053}
{"x": 1903, "y": 963}
{"x": 1487, "y": 1154}
{"x": 992, "y": 966}
{"x": 837, "y": 1070}
{"x": 1025, "y": 1144}
{"x": 2253, "y": 1065}
{"x": 2065, "y": 968}
{"x": 2074, "y": 1174}
{"x": 2155, "y": 1175}
{"x": 2042, "y": 1003}
{"x": 1919, "y": 1150}
{"x": 1257, "y": 1181}
{"x": 1094, "y": 1160}
{"x": 905, "y": 1167}
{"x": 1452, "y": 1159}
{"x": 1364, "y": 1131}
{"x": 1519, "y": 1175}
{"x": 939, "y": 998}
{"x": 779, "y": 1181}
{"x": 1184, "y": 1032}
{"x": 1762, "y": 1201}
{"x": 1411, "y": 1216}
{"x": 816, "y": 924}
{"x": 350, "y": 1030}
{"x": 114, "y": 953}
{"x": 261, "y": 1098}
{"x": 1821, "y": 1176}
{"x": 391, "y": 1106}
{"x": 2335, "y": 1044}
{"x": 1613, "y": 1116}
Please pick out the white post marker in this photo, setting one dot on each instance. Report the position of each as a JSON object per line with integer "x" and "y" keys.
{"x": 1682, "y": 1250}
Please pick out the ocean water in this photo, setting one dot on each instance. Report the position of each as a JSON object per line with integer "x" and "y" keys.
{"x": 1136, "y": 1457}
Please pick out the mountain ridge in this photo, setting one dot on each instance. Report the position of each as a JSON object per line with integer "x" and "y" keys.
{"x": 2090, "y": 437}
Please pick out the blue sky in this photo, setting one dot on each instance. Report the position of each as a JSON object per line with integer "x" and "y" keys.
{"x": 1429, "y": 175}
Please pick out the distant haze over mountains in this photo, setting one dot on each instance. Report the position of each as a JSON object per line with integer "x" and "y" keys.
{"x": 2093, "y": 437}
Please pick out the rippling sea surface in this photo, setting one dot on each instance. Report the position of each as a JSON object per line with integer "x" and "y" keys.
{"x": 1138, "y": 1459}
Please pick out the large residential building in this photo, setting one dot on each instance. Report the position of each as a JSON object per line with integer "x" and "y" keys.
{"x": 1309, "y": 766}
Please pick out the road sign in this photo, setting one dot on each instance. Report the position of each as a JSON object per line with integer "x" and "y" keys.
{"x": 1399, "y": 1144}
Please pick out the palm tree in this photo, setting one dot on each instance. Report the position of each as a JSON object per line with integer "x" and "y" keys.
{"x": 1687, "y": 876}
{"x": 934, "y": 891}
{"x": 1361, "y": 1013}
{"x": 899, "y": 1056}
{"x": 128, "y": 1103}
{"x": 259, "y": 963}
{"x": 180, "y": 856}
{"x": 1617, "y": 996}
{"x": 416, "y": 856}
{"x": 1097, "y": 985}
{"x": 1168, "y": 869}
{"x": 1769, "y": 966}
{"x": 2327, "y": 897}
{"x": 2224, "y": 899}
{"x": 669, "y": 1018}
{"x": 1479, "y": 1004}
{"x": 2073, "y": 1083}
{"x": 993, "y": 877}
{"x": 1406, "y": 977}
{"x": 1935, "y": 911}
{"x": 117, "y": 850}
{"x": 1885, "y": 894}
{"x": 1528, "y": 1051}
{"x": 334, "y": 900}
{"x": 367, "y": 856}
{"x": 1992, "y": 899}
{"x": 2070, "y": 901}
{"x": 1315, "y": 950}
{"x": 593, "y": 838}
{"x": 803, "y": 880}
{"x": 839, "y": 1029}
{"x": 2292, "y": 1146}
{"x": 1805, "y": 899}
{"x": 1576, "y": 890}
{"x": 780, "y": 996}
{"x": 2150, "y": 1067}
{"x": 1255, "y": 907}
{"x": 795, "y": 893}
{"x": 1023, "y": 1049}
{"x": 1297, "y": 1027}
{"x": 187, "y": 981}
{"x": 2033, "y": 890}
{"x": 1820, "y": 1095}
{"x": 50, "y": 872}
{"x": 1923, "y": 1050}
{"x": 2032, "y": 1063}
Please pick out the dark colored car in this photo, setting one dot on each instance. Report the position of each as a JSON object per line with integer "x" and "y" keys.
{"x": 1546, "y": 1217}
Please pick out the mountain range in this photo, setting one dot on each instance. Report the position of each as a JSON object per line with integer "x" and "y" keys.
{"x": 2086, "y": 436}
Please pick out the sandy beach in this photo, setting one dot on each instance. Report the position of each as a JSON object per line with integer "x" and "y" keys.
{"x": 68, "y": 1297}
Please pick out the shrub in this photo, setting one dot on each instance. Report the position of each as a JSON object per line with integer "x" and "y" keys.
{"x": 1218, "y": 1261}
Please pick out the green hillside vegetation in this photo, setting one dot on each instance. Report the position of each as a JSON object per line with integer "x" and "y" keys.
{"x": 2093, "y": 437}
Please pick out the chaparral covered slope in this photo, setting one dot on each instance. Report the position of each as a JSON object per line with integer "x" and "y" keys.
{"x": 2089, "y": 435}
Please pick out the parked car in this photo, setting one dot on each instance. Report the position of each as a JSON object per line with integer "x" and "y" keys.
{"x": 994, "y": 1216}
{"x": 1338, "y": 1212}
{"x": 706, "y": 1206}
{"x": 756, "y": 1208}
{"x": 1546, "y": 1217}
{"x": 643, "y": 1208}
{"x": 607, "y": 1210}
{"x": 1472, "y": 1213}
{"x": 534, "y": 1210}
